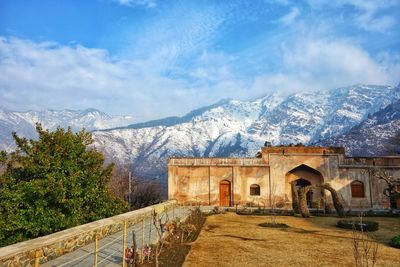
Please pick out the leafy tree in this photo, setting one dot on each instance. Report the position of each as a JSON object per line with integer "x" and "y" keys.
{"x": 53, "y": 183}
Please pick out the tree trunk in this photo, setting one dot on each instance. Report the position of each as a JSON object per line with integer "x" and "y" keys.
{"x": 336, "y": 200}
{"x": 295, "y": 198}
{"x": 305, "y": 212}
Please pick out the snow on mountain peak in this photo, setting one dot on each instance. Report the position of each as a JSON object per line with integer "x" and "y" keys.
{"x": 24, "y": 122}
{"x": 226, "y": 128}
{"x": 238, "y": 128}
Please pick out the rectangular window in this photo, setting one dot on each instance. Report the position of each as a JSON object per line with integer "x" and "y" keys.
{"x": 357, "y": 189}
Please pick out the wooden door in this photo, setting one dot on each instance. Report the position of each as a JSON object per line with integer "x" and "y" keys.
{"x": 225, "y": 193}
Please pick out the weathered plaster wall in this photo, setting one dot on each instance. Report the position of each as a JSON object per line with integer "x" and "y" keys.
{"x": 246, "y": 176}
{"x": 373, "y": 187}
{"x": 189, "y": 183}
{"x": 274, "y": 172}
{"x": 218, "y": 174}
{"x": 348, "y": 175}
{"x": 198, "y": 180}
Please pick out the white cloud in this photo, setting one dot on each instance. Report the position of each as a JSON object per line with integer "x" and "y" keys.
{"x": 146, "y": 79}
{"x": 180, "y": 33}
{"x": 311, "y": 64}
{"x": 290, "y": 17}
{"x": 369, "y": 22}
{"x": 147, "y": 3}
{"x": 367, "y": 15}
{"x": 279, "y": 2}
{"x": 48, "y": 75}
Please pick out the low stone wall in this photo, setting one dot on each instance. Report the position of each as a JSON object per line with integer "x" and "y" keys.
{"x": 54, "y": 245}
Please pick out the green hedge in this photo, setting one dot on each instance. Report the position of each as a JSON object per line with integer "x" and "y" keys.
{"x": 368, "y": 226}
{"x": 395, "y": 242}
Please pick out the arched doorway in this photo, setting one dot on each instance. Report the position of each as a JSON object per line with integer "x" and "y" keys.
{"x": 299, "y": 183}
{"x": 225, "y": 193}
{"x": 303, "y": 176}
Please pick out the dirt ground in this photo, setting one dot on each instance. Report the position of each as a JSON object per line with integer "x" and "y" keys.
{"x": 237, "y": 240}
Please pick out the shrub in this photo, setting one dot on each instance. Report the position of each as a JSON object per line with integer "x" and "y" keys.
{"x": 368, "y": 226}
{"x": 53, "y": 183}
{"x": 395, "y": 242}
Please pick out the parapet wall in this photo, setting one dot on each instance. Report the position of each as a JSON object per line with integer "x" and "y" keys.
{"x": 390, "y": 161}
{"x": 302, "y": 150}
{"x": 54, "y": 245}
{"x": 216, "y": 161}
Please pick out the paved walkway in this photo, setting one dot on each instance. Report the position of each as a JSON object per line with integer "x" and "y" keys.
{"x": 110, "y": 248}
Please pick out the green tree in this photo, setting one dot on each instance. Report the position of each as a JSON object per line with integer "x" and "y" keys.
{"x": 53, "y": 183}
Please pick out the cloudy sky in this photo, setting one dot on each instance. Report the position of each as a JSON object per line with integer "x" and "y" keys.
{"x": 155, "y": 58}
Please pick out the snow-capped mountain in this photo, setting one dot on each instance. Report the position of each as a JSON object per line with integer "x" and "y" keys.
{"x": 377, "y": 135}
{"x": 24, "y": 122}
{"x": 233, "y": 128}
{"x": 230, "y": 127}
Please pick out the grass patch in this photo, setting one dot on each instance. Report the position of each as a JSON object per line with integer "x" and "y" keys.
{"x": 232, "y": 240}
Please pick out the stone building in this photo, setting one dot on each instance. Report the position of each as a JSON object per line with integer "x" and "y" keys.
{"x": 267, "y": 179}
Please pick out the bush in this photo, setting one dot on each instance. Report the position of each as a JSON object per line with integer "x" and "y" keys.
{"x": 55, "y": 182}
{"x": 368, "y": 226}
{"x": 395, "y": 242}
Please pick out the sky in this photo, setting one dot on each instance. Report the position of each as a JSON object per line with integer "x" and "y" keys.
{"x": 157, "y": 58}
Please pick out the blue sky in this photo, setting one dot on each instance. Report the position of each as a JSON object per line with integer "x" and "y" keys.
{"x": 153, "y": 58}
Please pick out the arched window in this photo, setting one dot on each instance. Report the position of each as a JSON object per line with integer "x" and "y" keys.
{"x": 254, "y": 190}
{"x": 357, "y": 189}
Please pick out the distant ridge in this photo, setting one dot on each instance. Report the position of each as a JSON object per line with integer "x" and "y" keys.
{"x": 239, "y": 128}
{"x": 170, "y": 121}
{"x": 24, "y": 122}
{"x": 378, "y": 135}
{"x": 362, "y": 118}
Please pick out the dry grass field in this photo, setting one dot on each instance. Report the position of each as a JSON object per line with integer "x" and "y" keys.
{"x": 237, "y": 240}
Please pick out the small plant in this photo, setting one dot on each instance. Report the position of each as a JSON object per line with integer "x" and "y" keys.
{"x": 147, "y": 252}
{"x": 273, "y": 199}
{"x": 131, "y": 255}
{"x": 365, "y": 249}
{"x": 161, "y": 235}
{"x": 186, "y": 230}
{"x": 395, "y": 242}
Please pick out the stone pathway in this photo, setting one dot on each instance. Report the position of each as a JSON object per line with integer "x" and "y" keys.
{"x": 110, "y": 248}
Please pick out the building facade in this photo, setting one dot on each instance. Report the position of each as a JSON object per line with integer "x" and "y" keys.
{"x": 267, "y": 179}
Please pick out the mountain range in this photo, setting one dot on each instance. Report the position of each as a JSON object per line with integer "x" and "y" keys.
{"x": 24, "y": 122}
{"x": 240, "y": 128}
{"x": 377, "y": 135}
{"x": 362, "y": 118}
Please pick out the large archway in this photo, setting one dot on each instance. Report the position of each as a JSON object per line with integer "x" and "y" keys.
{"x": 303, "y": 176}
